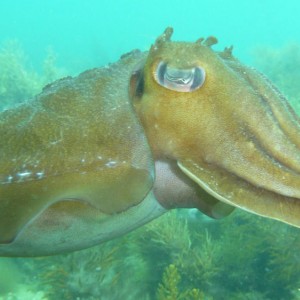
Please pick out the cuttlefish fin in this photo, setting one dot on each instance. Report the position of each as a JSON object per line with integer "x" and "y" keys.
{"x": 208, "y": 202}
{"x": 109, "y": 192}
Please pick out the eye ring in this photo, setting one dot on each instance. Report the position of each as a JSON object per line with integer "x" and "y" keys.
{"x": 179, "y": 80}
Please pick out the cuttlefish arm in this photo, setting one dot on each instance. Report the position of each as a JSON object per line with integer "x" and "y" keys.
{"x": 226, "y": 126}
{"x": 73, "y": 160}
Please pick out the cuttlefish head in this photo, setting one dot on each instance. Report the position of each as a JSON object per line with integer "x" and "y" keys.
{"x": 225, "y": 125}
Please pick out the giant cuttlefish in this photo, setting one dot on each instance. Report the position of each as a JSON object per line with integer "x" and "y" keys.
{"x": 95, "y": 156}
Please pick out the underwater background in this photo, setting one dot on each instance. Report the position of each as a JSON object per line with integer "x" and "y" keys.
{"x": 183, "y": 254}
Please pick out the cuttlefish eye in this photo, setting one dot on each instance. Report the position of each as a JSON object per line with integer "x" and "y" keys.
{"x": 180, "y": 80}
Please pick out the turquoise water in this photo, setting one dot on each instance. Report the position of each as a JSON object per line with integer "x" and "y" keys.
{"x": 89, "y": 33}
{"x": 182, "y": 255}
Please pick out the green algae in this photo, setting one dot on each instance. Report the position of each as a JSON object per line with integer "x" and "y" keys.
{"x": 18, "y": 79}
{"x": 169, "y": 288}
{"x": 242, "y": 255}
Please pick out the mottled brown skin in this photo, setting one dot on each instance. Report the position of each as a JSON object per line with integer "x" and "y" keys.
{"x": 78, "y": 142}
{"x": 78, "y": 162}
{"x": 236, "y": 136}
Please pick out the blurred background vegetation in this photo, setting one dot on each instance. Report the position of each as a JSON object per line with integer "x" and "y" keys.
{"x": 183, "y": 254}
{"x": 18, "y": 80}
{"x": 282, "y": 66}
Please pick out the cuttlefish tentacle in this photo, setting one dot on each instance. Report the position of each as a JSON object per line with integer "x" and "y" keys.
{"x": 233, "y": 190}
{"x": 256, "y": 148}
{"x": 284, "y": 124}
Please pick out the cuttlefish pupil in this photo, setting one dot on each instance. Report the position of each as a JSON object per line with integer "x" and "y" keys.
{"x": 180, "y": 80}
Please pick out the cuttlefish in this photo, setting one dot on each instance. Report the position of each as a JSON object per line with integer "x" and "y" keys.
{"x": 95, "y": 156}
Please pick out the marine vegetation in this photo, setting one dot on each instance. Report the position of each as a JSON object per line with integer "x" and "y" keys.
{"x": 182, "y": 255}
{"x": 18, "y": 79}
{"x": 168, "y": 289}
{"x": 282, "y": 67}
{"x": 240, "y": 257}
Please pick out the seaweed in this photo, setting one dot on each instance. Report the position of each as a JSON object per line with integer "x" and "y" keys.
{"x": 18, "y": 79}
{"x": 88, "y": 274}
{"x": 169, "y": 288}
{"x": 241, "y": 256}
